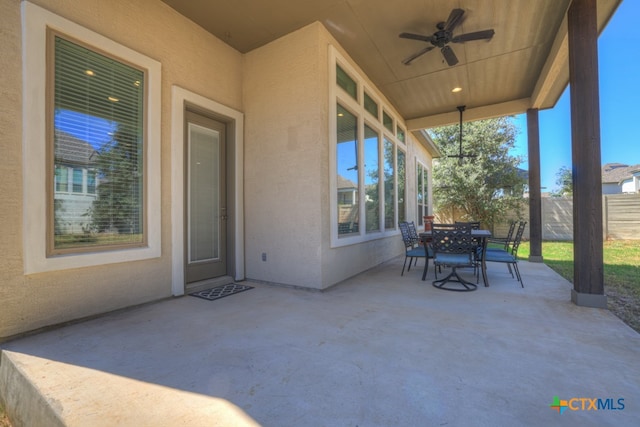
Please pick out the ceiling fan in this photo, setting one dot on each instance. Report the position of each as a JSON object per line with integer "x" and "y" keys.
{"x": 461, "y": 155}
{"x": 444, "y": 36}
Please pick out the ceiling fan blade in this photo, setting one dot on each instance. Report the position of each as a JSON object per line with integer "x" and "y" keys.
{"x": 449, "y": 56}
{"x": 478, "y": 35}
{"x": 409, "y": 59}
{"x": 413, "y": 36}
{"x": 454, "y": 19}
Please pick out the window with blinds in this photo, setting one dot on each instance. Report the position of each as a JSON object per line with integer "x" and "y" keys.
{"x": 97, "y": 161}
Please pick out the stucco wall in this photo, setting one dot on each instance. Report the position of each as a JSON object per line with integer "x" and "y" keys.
{"x": 191, "y": 58}
{"x": 285, "y": 147}
{"x": 287, "y": 202}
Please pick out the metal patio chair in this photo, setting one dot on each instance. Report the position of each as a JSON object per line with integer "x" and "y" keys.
{"x": 454, "y": 247}
{"x": 411, "y": 244}
{"x": 504, "y": 243}
{"x": 509, "y": 257}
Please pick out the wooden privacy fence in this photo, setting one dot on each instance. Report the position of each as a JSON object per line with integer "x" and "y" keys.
{"x": 620, "y": 218}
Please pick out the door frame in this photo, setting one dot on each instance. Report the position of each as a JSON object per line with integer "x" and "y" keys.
{"x": 234, "y": 120}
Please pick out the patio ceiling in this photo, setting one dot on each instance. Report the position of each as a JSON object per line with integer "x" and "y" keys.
{"x": 524, "y": 66}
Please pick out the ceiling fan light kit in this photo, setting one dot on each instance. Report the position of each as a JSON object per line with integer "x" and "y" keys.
{"x": 444, "y": 36}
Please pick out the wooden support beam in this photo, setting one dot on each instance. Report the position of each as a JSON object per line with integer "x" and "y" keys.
{"x": 588, "y": 278}
{"x": 535, "y": 189}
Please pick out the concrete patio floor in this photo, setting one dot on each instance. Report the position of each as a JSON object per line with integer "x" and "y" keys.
{"x": 376, "y": 350}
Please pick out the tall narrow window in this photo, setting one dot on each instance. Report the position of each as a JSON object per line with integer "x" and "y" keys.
{"x": 62, "y": 178}
{"x": 347, "y": 170}
{"x": 422, "y": 192}
{"x": 77, "y": 180}
{"x": 372, "y": 179}
{"x": 389, "y": 185}
{"x": 402, "y": 187}
{"x": 97, "y": 113}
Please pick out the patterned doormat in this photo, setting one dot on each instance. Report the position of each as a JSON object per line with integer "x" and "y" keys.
{"x": 221, "y": 291}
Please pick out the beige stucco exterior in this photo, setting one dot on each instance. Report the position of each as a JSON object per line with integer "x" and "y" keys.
{"x": 282, "y": 89}
{"x": 287, "y": 100}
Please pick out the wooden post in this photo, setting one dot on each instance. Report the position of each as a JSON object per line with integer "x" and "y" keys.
{"x": 535, "y": 189}
{"x": 588, "y": 278}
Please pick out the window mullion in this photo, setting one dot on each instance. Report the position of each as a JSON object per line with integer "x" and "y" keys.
{"x": 396, "y": 211}
{"x": 362, "y": 203}
{"x": 382, "y": 217}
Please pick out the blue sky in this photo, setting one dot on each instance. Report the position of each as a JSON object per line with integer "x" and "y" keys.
{"x": 619, "y": 71}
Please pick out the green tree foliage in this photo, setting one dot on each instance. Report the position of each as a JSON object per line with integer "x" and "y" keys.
{"x": 564, "y": 181}
{"x": 481, "y": 188}
{"x": 119, "y": 194}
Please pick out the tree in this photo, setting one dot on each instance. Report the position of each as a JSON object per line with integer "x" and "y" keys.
{"x": 481, "y": 188}
{"x": 564, "y": 180}
{"x": 119, "y": 193}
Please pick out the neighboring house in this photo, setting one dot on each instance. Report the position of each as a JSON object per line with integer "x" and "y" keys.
{"x": 619, "y": 178}
{"x": 347, "y": 206}
{"x": 347, "y": 191}
{"x": 75, "y": 182}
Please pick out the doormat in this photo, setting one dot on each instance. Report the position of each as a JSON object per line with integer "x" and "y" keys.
{"x": 221, "y": 291}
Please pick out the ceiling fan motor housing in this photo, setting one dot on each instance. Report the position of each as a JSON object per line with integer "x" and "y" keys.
{"x": 444, "y": 36}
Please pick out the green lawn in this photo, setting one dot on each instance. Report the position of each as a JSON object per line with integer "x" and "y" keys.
{"x": 621, "y": 273}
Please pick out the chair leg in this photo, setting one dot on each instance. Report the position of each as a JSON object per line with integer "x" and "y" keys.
{"x": 510, "y": 270}
{"x": 515, "y": 267}
{"x": 410, "y": 261}
{"x": 403, "y": 265}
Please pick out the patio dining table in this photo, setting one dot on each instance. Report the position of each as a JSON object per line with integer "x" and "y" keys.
{"x": 481, "y": 235}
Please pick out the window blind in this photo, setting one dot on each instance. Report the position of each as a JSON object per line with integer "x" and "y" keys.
{"x": 98, "y": 133}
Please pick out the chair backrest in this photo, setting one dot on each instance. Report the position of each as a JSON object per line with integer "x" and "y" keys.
{"x": 413, "y": 232}
{"x": 507, "y": 241}
{"x": 475, "y": 225}
{"x": 406, "y": 235}
{"x": 518, "y": 238}
{"x": 453, "y": 239}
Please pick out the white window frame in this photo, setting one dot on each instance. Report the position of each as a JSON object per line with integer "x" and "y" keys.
{"x": 35, "y": 22}
{"x": 338, "y": 95}
{"x": 425, "y": 202}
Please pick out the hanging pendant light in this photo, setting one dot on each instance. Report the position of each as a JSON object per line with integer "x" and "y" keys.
{"x": 460, "y": 154}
